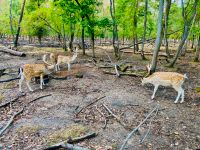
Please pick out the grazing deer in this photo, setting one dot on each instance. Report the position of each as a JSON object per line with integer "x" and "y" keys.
{"x": 65, "y": 59}
{"x": 172, "y": 79}
{"x": 29, "y": 71}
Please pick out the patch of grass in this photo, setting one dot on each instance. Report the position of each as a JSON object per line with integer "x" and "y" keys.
{"x": 63, "y": 134}
{"x": 29, "y": 129}
{"x": 10, "y": 85}
{"x": 1, "y": 97}
{"x": 197, "y": 89}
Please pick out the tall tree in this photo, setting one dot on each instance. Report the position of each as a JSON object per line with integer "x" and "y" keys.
{"x": 11, "y": 20}
{"x": 115, "y": 31}
{"x": 187, "y": 25}
{"x": 20, "y": 20}
{"x": 167, "y": 9}
{"x": 158, "y": 37}
{"x": 197, "y": 53}
{"x": 145, "y": 28}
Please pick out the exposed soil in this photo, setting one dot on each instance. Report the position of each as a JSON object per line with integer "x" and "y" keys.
{"x": 176, "y": 126}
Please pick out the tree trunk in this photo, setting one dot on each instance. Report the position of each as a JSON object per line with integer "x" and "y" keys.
{"x": 167, "y": 9}
{"x": 92, "y": 38}
{"x": 11, "y": 26}
{"x": 19, "y": 27}
{"x": 187, "y": 25}
{"x": 135, "y": 26}
{"x": 64, "y": 39}
{"x": 158, "y": 37}
{"x": 197, "y": 53}
{"x": 192, "y": 41}
{"x": 115, "y": 30}
{"x": 145, "y": 26}
{"x": 72, "y": 28}
{"x": 83, "y": 42}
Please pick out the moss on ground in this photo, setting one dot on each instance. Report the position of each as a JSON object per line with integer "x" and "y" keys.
{"x": 30, "y": 129}
{"x": 197, "y": 89}
{"x": 64, "y": 134}
{"x": 1, "y": 97}
{"x": 9, "y": 85}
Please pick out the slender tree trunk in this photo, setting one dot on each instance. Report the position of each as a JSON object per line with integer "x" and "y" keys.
{"x": 11, "y": 26}
{"x": 145, "y": 26}
{"x": 72, "y": 28}
{"x": 167, "y": 9}
{"x": 83, "y": 42}
{"x": 115, "y": 30}
{"x": 64, "y": 39}
{"x": 192, "y": 46}
{"x": 197, "y": 53}
{"x": 135, "y": 25}
{"x": 19, "y": 27}
{"x": 187, "y": 25}
{"x": 158, "y": 37}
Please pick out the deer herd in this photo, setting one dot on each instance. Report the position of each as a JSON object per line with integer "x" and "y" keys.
{"x": 30, "y": 71}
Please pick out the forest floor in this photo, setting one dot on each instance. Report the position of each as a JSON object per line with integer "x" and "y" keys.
{"x": 52, "y": 119}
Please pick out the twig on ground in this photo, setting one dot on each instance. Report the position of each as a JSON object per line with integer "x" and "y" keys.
{"x": 142, "y": 140}
{"x": 115, "y": 116}
{"x": 8, "y": 80}
{"x": 11, "y": 101}
{"x": 39, "y": 98}
{"x": 96, "y": 100}
{"x": 136, "y": 129}
{"x": 79, "y": 139}
{"x": 68, "y": 144}
{"x": 11, "y": 121}
{"x": 117, "y": 72}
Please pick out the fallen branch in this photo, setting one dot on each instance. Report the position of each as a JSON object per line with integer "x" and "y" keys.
{"x": 65, "y": 145}
{"x": 79, "y": 139}
{"x": 123, "y": 73}
{"x": 39, "y": 98}
{"x": 11, "y": 120}
{"x": 136, "y": 129}
{"x": 90, "y": 104}
{"x": 118, "y": 119}
{"x": 8, "y": 80}
{"x": 11, "y": 101}
{"x": 159, "y": 54}
{"x": 12, "y": 52}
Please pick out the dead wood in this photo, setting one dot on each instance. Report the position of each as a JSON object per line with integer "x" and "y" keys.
{"x": 96, "y": 100}
{"x": 8, "y": 80}
{"x": 11, "y": 101}
{"x": 115, "y": 116}
{"x": 39, "y": 98}
{"x": 11, "y": 121}
{"x": 12, "y": 52}
{"x": 65, "y": 145}
{"x": 160, "y": 54}
{"x": 136, "y": 129}
{"x": 123, "y": 73}
{"x": 81, "y": 138}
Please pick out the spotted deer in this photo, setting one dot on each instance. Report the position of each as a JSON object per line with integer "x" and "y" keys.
{"x": 172, "y": 79}
{"x": 30, "y": 71}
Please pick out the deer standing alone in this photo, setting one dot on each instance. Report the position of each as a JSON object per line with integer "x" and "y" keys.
{"x": 172, "y": 79}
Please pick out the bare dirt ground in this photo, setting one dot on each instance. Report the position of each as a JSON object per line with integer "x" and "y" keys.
{"x": 53, "y": 119}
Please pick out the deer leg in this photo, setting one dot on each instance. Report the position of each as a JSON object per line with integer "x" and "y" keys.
{"x": 41, "y": 81}
{"x": 179, "y": 94}
{"x": 28, "y": 84}
{"x": 69, "y": 67}
{"x": 20, "y": 82}
{"x": 154, "y": 92}
{"x": 182, "y": 96}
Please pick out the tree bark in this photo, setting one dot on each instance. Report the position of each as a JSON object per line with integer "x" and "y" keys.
{"x": 197, "y": 53}
{"x": 115, "y": 30}
{"x": 83, "y": 37}
{"x": 158, "y": 37}
{"x": 11, "y": 26}
{"x": 64, "y": 39}
{"x": 19, "y": 27}
{"x": 187, "y": 25}
{"x": 167, "y": 9}
{"x": 72, "y": 28}
{"x": 145, "y": 26}
{"x": 192, "y": 46}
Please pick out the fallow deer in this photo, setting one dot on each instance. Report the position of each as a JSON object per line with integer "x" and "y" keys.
{"x": 65, "y": 59}
{"x": 29, "y": 71}
{"x": 172, "y": 79}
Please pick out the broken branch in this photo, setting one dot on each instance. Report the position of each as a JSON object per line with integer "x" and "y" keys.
{"x": 90, "y": 104}
{"x": 11, "y": 120}
{"x": 39, "y": 98}
{"x": 79, "y": 139}
{"x": 136, "y": 129}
